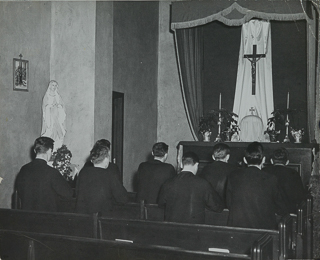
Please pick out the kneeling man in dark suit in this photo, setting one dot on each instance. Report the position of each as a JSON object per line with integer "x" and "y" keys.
{"x": 40, "y": 186}
{"x": 152, "y": 174}
{"x": 186, "y": 196}
{"x": 253, "y": 196}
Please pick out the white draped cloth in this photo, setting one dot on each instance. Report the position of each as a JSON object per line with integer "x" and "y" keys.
{"x": 53, "y": 115}
{"x": 255, "y": 32}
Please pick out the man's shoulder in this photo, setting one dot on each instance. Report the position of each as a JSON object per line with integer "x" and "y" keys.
{"x": 156, "y": 164}
{"x": 218, "y": 165}
{"x": 26, "y": 166}
{"x": 237, "y": 171}
{"x": 279, "y": 169}
{"x": 112, "y": 168}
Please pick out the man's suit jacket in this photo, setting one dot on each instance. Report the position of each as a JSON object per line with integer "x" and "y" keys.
{"x": 112, "y": 168}
{"x": 253, "y": 199}
{"x": 291, "y": 184}
{"x": 216, "y": 174}
{"x": 151, "y": 176}
{"x": 186, "y": 197}
{"x": 97, "y": 190}
{"x": 40, "y": 186}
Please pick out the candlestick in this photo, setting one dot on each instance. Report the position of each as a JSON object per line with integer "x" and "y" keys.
{"x": 220, "y": 102}
{"x": 288, "y": 100}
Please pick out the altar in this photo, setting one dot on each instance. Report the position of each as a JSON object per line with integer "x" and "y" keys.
{"x": 301, "y": 155}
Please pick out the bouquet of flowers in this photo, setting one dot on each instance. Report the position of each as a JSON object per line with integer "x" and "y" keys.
{"x": 61, "y": 161}
{"x": 297, "y": 134}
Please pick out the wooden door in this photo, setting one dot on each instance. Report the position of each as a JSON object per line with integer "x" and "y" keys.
{"x": 117, "y": 129}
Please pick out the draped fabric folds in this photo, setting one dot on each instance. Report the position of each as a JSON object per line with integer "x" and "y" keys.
{"x": 187, "y": 18}
{"x": 186, "y": 14}
{"x": 312, "y": 65}
{"x": 257, "y": 33}
{"x": 189, "y": 45}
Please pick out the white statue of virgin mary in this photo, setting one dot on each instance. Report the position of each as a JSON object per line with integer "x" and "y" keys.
{"x": 53, "y": 115}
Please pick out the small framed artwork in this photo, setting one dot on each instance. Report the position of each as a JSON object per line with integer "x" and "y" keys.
{"x": 20, "y": 74}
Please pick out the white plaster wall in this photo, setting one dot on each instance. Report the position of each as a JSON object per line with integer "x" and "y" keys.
{"x": 103, "y": 71}
{"x": 25, "y": 29}
{"x": 172, "y": 121}
{"x": 72, "y": 64}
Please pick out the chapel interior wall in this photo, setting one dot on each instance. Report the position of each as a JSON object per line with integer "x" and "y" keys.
{"x": 135, "y": 68}
{"x": 25, "y": 29}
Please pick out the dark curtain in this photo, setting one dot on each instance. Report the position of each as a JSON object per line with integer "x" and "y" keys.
{"x": 189, "y": 45}
{"x": 312, "y": 72}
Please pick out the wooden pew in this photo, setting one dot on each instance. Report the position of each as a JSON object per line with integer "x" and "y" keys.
{"x": 217, "y": 219}
{"x": 152, "y": 212}
{"x": 197, "y": 237}
{"x": 46, "y": 222}
{"x": 37, "y": 246}
{"x": 304, "y": 233}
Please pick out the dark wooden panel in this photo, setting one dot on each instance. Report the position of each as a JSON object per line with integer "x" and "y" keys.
{"x": 300, "y": 155}
{"x": 15, "y": 245}
{"x": 44, "y": 222}
{"x": 187, "y": 236}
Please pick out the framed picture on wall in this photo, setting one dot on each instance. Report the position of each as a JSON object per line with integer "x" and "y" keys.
{"x": 20, "y": 74}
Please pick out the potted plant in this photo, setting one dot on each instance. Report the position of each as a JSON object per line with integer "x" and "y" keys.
{"x": 229, "y": 124}
{"x": 206, "y": 125}
{"x": 210, "y": 121}
{"x": 271, "y": 130}
{"x": 278, "y": 117}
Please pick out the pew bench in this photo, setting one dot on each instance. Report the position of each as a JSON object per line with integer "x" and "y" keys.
{"x": 37, "y": 246}
{"x": 87, "y": 226}
{"x": 198, "y": 237}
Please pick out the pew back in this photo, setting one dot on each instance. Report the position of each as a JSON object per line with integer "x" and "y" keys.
{"x": 47, "y": 222}
{"x": 187, "y": 236}
{"x": 304, "y": 235}
{"x": 36, "y": 246}
{"x": 152, "y": 212}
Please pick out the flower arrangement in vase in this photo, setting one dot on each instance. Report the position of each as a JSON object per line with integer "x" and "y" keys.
{"x": 280, "y": 117}
{"x": 271, "y": 130}
{"x": 213, "y": 118}
{"x": 62, "y": 162}
{"x": 297, "y": 134}
{"x": 206, "y": 125}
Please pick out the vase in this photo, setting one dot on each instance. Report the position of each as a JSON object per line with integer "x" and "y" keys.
{"x": 298, "y": 138}
{"x": 273, "y": 138}
{"x": 206, "y": 136}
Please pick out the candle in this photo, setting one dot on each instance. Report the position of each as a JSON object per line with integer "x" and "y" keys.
{"x": 288, "y": 101}
{"x": 220, "y": 102}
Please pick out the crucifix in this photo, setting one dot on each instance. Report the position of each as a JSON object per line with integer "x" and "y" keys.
{"x": 254, "y": 58}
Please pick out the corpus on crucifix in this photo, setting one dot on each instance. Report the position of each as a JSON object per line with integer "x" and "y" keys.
{"x": 254, "y": 58}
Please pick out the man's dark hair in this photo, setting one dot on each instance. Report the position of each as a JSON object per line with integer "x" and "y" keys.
{"x": 254, "y": 153}
{"x": 190, "y": 158}
{"x": 99, "y": 153}
{"x": 43, "y": 144}
{"x": 160, "y": 149}
{"x": 103, "y": 142}
{"x": 220, "y": 151}
{"x": 280, "y": 155}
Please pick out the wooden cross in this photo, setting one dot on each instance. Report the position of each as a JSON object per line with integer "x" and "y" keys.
{"x": 254, "y": 58}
